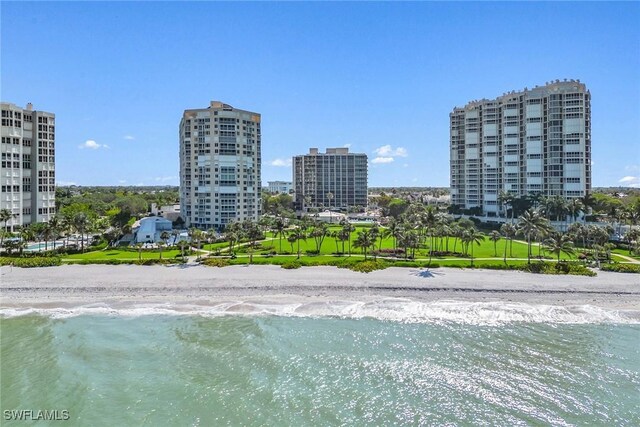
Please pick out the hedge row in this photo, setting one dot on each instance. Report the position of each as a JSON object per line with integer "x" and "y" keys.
{"x": 153, "y": 261}
{"x": 31, "y": 262}
{"x": 621, "y": 268}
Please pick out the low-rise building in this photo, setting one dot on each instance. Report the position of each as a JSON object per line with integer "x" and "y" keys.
{"x": 150, "y": 229}
{"x": 280, "y": 187}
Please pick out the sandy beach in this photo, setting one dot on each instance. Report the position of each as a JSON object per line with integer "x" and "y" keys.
{"x": 123, "y": 285}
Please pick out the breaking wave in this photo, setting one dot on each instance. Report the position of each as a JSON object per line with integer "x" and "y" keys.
{"x": 389, "y": 309}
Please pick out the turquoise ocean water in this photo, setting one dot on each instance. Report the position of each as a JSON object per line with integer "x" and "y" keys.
{"x": 155, "y": 369}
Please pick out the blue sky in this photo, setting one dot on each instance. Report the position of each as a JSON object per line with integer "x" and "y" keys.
{"x": 379, "y": 77}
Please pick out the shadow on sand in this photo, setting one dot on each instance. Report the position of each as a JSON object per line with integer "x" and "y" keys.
{"x": 183, "y": 266}
{"x": 426, "y": 273}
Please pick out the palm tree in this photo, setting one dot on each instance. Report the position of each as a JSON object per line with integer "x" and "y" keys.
{"x": 81, "y": 223}
{"x": 174, "y": 234}
{"x": 494, "y": 237}
{"x": 164, "y": 236}
{"x": 319, "y": 232}
{"x": 471, "y": 236}
{"x": 26, "y": 235}
{"x": 456, "y": 232}
{"x": 530, "y": 224}
{"x": 47, "y": 233}
{"x": 374, "y": 232}
{"x": 509, "y": 232}
{"x": 348, "y": 228}
{"x": 292, "y": 239}
{"x": 232, "y": 237}
{"x": 5, "y": 216}
{"x": 182, "y": 245}
{"x": 588, "y": 201}
{"x": 196, "y": 237}
{"x": 252, "y": 232}
{"x": 559, "y": 243}
{"x": 394, "y": 227}
{"x": 278, "y": 228}
{"x": 428, "y": 219}
{"x": 365, "y": 240}
{"x": 505, "y": 199}
{"x": 575, "y": 207}
{"x": 336, "y": 237}
{"x": 384, "y": 234}
{"x": 578, "y": 231}
{"x": 330, "y": 198}
{"x": 298, "y": 232}
{"x": 139, "y": 246}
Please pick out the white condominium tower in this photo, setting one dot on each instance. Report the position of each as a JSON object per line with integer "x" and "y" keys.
{"x": 334, "y": 180}
{"x": 219, "y": 166}
{"x": 27, "y": 173}
{"x": 533, "y": 141}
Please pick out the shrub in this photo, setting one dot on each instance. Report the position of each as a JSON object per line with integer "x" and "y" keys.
{"x": 367, "y": 266}
{"x": 31, "y": 262}
{"x": 215, "y": 262}
{"x": 621, "y": 268}
{"x": 558, "y": 268}
{"x": 389, "y": 251}
{"x": 291, "y": 265}
{"x": 103, "y": 261}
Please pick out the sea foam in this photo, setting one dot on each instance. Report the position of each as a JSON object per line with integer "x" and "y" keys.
{"x": 390, "y": 309}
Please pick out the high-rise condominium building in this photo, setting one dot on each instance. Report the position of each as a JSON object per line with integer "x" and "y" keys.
{"x": 219, "y": 166}
{"x": 533, "y": 141}
{"x": 336, "y": 179}
{"x": 27, "y": 173}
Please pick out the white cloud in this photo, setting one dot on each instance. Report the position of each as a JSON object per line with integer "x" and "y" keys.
{"x": 389, "y": 151}
{"x": 122, "y": 181}
{"x": 165, "y": 178}
{"x": 65, "y": 183}
{"x": 380, "y": 159}
{"x": 281, "y": 162}
{"x": 347, "y": 145}
{"x": 90, "y": 143}
{"x": 129, "y": 137}
{"x": 406, "y": 165}
{"x": 630, "y": 181}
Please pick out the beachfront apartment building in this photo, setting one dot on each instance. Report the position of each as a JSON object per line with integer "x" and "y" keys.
{"x": 27, "y": 171}
{"x": 279, "y": 187}
{"x": 219, "y": 166}
{"x": 532, "y": 141}
{"x": 335, "y": 180}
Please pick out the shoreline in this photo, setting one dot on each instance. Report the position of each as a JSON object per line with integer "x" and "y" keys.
{"x": 125, "y": 286}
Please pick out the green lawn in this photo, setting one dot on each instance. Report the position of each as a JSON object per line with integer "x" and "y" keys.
{"x": 625, "y": 252}
{"x": 485, "y": 250}
{"x": 215, "y": 246}
{"x": 123, "y": 254}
